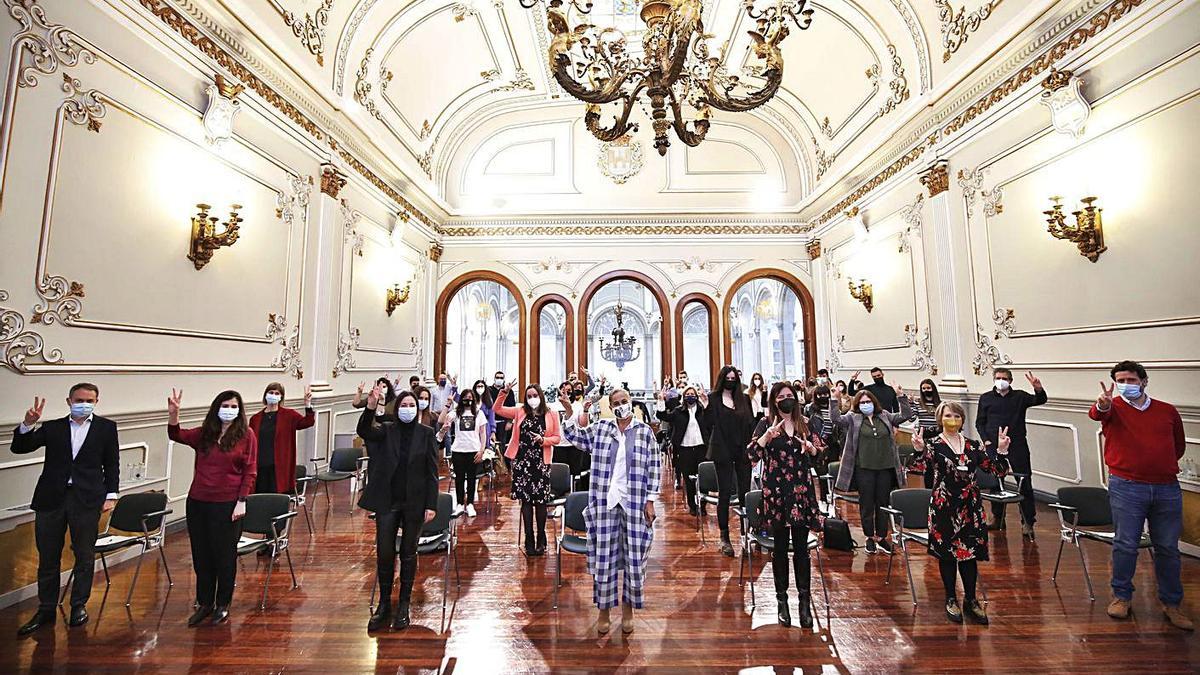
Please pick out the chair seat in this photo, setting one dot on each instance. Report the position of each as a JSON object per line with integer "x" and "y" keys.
{"x": 1001, "y": 497}
{"x": 434, "y": 543}
{"x": 767, "y": 542}
{"x": 557, "y": 501}
{"x": 115, "y": 542}
{"x": 328, "y": 476}
{"x": 1107, "y": 537}
{"x": 921, "y": 538}
{"x": 853, "y": 499}
{"x": 251, "y": 544}
{"x": 574, "y": 543}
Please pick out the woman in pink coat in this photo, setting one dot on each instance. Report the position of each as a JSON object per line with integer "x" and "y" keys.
{"x": 536, "y": 432}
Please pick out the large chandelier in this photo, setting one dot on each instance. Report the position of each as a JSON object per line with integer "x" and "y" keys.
{"x": 674, "y": 70}
{"x": 623, "y": 349}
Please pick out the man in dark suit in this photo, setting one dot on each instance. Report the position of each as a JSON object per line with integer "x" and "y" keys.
{"x": 1004, "y": 406}
{"x": 80, "y": 476}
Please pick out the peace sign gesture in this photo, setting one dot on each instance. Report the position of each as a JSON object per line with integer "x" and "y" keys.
{"x": 1002, "y": 441}
{"x": 1034, "y": 381}
{"x": 774, "y": 430}
{"x": 375, "y": 396}
{"x": 918, "y": 440}
{"x": 308, "y": 396}
{"x": 810, "y": 447}
{"x": 1105, "y": 399}
{"x": 174, "y": 400}
{"x": 510, "y": 384}
{"x": 35, "y": 412}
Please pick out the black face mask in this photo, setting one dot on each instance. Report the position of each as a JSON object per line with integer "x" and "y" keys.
{"x": 822, "y": 401}
{"x": 787, "y": 405}
{"x": 927, "y": 395}
{"x": 878, "y": 379}
{"x": 690, "y": 400}
{"x": 578, "y": 394}
{"x": 467, "y": 403}
{"x": 730, "y": 385}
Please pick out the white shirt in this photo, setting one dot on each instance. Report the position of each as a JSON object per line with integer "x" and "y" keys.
{"x": 466, "y": 441}
{"x": 563, "y": 419}
{"x": 1142, "y": 407}
{"x": 618, "y": 487}
{"x": 692, "y": 436}
{"x": 79, "y": 432}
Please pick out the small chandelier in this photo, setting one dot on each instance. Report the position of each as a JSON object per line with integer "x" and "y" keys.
{"x": 766, "y": 309}
{"x": 674, "y": 70}
{"x": 483, "y": 311}
{"x": 623, "y": 349}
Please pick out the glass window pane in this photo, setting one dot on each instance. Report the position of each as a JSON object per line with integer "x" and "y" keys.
{"x": 766, "y": 328}
{"x": 696, "y": 357}
{"x": 483, "y": 325}
{"x": 640, "y": 327}
{"x": 552, "y": 337}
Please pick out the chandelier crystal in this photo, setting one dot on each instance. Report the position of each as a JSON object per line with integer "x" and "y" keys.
{"x": 623, "y": 349}
{"x": 674, "y": 70}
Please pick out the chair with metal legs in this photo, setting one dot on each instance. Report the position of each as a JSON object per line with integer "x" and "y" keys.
{"x": 753, "y": 537}
{"x": 707, "y": 492}
{"x": 1085, "y": 507}
{"x": 567, "y": 540}
{"x": 300, "y": 499}
{"x": 560, "y": 487}
{"x": 344, "y": 464}
{"x": 269, "y": 516}
{"x": 909, "y": 515}
{"x": 832, "y": 493}
{"x": 994, "y": 491}
{"x": 143, "y": 515}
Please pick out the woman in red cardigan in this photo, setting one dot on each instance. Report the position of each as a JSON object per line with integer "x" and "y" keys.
{"x": 531, "y": 448}
{"x": 275, "y": 428}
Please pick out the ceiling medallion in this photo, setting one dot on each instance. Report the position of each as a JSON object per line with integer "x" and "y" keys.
{"x": 673, "y": 68}
{"x": 621, "y": 159}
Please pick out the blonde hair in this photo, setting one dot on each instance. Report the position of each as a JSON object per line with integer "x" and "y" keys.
{"x": 949, "y": 406}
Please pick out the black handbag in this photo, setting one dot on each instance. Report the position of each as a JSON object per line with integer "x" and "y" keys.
{"x": 837, "y": 535}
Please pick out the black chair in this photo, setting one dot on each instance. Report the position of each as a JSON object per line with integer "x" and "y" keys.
{"x": 707, "y": 491}
{"x": 560, "y": 487}
{"x": 344, "y": 464}
{"x": 143, "y": 515}
{"x": 1085, "y": 507}
{"x": 268, "y": 515}
{"x": 830, "y": 478}
{"x": 909, "y": 515}
{"x": 567, "y": 540}
{"x": 753, "y": 536}
{"x": 300, "y": 499}
{"x": 994, "y": 491}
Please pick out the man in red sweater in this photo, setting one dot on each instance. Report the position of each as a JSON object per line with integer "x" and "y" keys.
{"x": 1143, "y": 441}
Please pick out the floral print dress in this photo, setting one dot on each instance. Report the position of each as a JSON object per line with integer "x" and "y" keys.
{"x": 530, "y": 475}
{"x": 957, "y": 528}
{"x": 788, "y": 494}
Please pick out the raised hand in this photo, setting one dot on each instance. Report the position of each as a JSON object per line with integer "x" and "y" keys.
{"x": 361, "y": 387}
{"x": 510, "y": 384}
{"x": 1003, "y": 441}
{"x": 375, "y": 396}
{"x": 899, "y": 390}
{"x": 1034, "y": 381}
{"x": 1105, "y": 399}
{"x": 308, "y": 396}
{"x": 703, "y": 395}
{"x": 35, "y": 411}
{"x": 453, "y": 380}
{"x": 810, "y": 448}
{"x": 775, "y": 430}
{"x": 856, "y": 374}
{"x": 918, "y": 440}
{"x": 173, "y": 401}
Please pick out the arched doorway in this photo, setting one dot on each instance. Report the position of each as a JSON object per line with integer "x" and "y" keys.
{"x": 551, "y": 340}
{"x": 654, "y": 322}
{"x": 480, "y": 325}
{"x": 697, "y": 345}
{"x": 770, "y": 325}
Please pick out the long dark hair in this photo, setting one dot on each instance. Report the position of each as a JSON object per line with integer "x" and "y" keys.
{"x": 423, "y": 416}
{"x": 475, "y": 403}
{"x": 389, "y": 390}
{"x": 739, "y": 391}
{"x": 210, "y": 430}
{"x": 774, "y": 414}
{"x": 937, "y": 398}
{"x": 541, "y": 409}
{"x": 485, "y": 399}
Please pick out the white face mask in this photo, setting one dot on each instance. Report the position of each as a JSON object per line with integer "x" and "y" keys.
{"x": 1003, "y": 385}
{"x": 623, "y": 411}
{"x": 227, "y": 414}
{"x": 533, "y": 401}
{"x": 273, "y": 399}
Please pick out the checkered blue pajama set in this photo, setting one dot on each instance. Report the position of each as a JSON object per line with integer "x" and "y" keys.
{"x": 618, "y": 538}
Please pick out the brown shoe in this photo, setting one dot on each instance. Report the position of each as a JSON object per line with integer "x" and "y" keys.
{"x": 1118, "y": 608}
{"x": 1027, "y": 531}
{"x": 1178, "y": 618}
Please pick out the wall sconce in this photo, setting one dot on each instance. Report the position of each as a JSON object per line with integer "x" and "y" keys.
{"x": 1088, "y": 231}
{"x": 223, "y": 104}
{"x": 1069, "y": 110}
{"x": 205, "y": 239}
{"x": 397, "y": 296}
{"x": 862, "y": 292}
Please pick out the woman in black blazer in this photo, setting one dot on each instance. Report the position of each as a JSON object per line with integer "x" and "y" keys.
{"x": 690, "y": 442}
{"x": 402, "y": 492}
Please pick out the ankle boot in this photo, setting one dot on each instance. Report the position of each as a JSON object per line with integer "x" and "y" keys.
{"x": 382, "y": 615}
{"x": 408, "y": 572}
{"x": 726, "y": 547}
{"x": 806, "y": 618}
{"x": 785, "y": 614}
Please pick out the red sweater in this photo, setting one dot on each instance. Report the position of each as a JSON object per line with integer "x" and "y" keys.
{"x": 220, "y": 476}
{"x": 1141, "y": 445}
{"x": 287, "y": 423}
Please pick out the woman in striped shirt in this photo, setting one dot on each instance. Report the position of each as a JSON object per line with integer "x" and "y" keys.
{"x": 927, "y": 426}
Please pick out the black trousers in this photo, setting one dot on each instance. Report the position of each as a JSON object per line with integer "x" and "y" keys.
{"x": 214, "y": 535}
{"x": 731, "y": 475}
{"x": 390, "y": 526}
{"x": 874, "y": 490}
{"x": 1019, "y": 462}
{"x": 464, "y": 476}
{"x": 265, "y": 481}
{"x": 779, "y": 557}
{"x": 49, "y": 531}
{"x": 967, "y": 569}
{"x": 689, "y": 460}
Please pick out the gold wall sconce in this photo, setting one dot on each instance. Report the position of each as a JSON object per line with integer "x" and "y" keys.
{"x": 862, "y": 292}
{"x": 205, "y": 239}
{"x": 397, "y": 296}
{"x": 1087, "y": 232}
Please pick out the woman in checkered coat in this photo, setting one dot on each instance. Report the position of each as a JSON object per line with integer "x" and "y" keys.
{"x": 625, "y": 482}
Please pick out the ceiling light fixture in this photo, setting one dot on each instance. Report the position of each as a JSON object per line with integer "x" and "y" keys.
{"x": 674, "y": 70}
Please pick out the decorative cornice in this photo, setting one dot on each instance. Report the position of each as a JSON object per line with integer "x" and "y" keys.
{"x": 332, "y": 180}
{"x": 958, "y": 26}
{"x": 814, "y": 249}
{"x": 936, "y": 178}
{"x": 1077, "y": 38}
{"x": 608, "y": 227}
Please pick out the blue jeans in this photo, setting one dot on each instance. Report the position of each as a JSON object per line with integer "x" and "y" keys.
{"x": 1132, "y": 504}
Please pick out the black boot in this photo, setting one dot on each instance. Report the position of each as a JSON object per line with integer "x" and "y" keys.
{"x": 383, "y": 613}
{"x": 726, "y": 547}
{"x": 408, "y": 572}
{"x": 806, "y": 618}
{"x": 202, "y": 612}
{"x": 785, "y": 615}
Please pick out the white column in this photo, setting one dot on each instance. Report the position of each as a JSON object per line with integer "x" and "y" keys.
{"x": 942, "y": 260}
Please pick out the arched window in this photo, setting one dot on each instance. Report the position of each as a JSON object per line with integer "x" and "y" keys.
{"x": 697, "y": 350}
{"x": 553, "y": 340}
{"x": 644, "y": 328}
{"x": 480, "y": 322}
{"x": 770, "y": 326}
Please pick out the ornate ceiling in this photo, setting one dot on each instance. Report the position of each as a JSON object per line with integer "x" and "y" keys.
{"x": 457, "y": 95}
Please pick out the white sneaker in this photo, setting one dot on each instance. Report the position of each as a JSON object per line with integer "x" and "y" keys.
{"x": 457, "y": 511}
{"x": 471, "y": 510}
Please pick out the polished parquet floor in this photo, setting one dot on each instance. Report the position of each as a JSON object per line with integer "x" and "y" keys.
{"x": 697, "y": 619}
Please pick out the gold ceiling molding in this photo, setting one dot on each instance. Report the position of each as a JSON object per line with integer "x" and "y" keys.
{"x": 630, "y": 229}
{"x": 310, "y": 29}
{"x": 936, "y": 178}
{"x": 187, "y": 30}
{"x": 1078, "y": 37}
{"x": 958, "y": 26}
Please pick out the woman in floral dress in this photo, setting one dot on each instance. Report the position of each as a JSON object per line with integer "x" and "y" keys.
{"x": 958, "y": 535}
{"x": 788, "y": 450}
{"x": 530, "y": 448}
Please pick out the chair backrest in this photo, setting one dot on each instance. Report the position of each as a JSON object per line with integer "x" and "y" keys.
{"x": 987, "y": 481}
{"x": 1090, "y": 502}
{"x": 560, "y": 479}
{"x": 707, "y": 472}
{"x": 345, "y": 460}
{"x": 754, "y": 509}
{"x": 834, "y": 467}
{"x": 913, "y": 505}
{"x": 127, "y": 514}
{"x": 261, "y": 509}
{"x": 441, "y": 521}
{"x": 573, "y": 511}
{"x": 301, "y": 471}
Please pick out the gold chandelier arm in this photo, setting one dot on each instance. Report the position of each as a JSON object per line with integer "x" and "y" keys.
{"x": 684, "y": 27}
{"x": 767, "y": 49}
{"x": 564, "y": 38}
{"x": 700, "y": 125}
{"x": 591, "y": 120}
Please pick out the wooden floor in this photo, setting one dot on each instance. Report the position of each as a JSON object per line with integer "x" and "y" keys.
{"x": 697, "y": 616}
